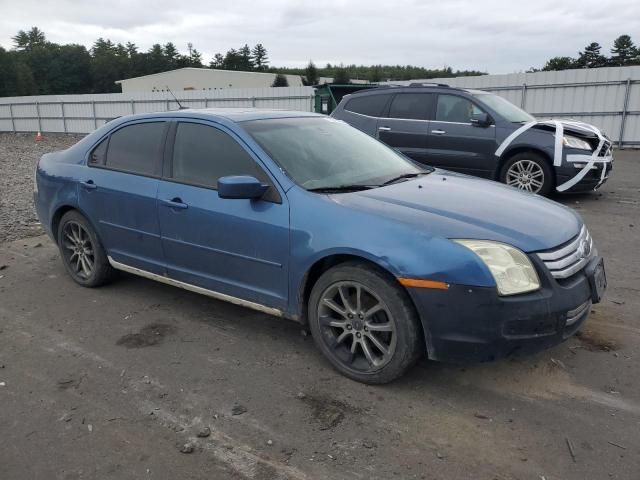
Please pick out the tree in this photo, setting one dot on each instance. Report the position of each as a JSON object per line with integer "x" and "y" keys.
{"x": 341, "y": 76}
{"x": 280, "y": 81}
{"x": 376, "y": 74}
{"x": 311, "y": 74}
{"x": 196, "y": 59}
{"x": 624, "y": 52}
{"x": 217, "y": 62}
{"x": 171, "y": 55}
{"x": 591, "y": 57}
{"x": 25, "y": 83}
{"x": 232, "y": 60}
{"x": 29, "y": 40}
{"x": 245, "y": 61}
{"x": 559, "y": 63}
{"x": 260, "y": 58}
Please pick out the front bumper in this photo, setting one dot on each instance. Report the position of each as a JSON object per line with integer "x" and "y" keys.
{"x": 474, "y": 324}
{"x": 594, "y": 178}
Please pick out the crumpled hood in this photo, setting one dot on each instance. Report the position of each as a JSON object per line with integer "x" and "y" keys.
{"x": 452, "y": 205}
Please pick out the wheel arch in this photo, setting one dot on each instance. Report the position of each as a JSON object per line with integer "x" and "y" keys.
{"x": 59, "y": 213}
{"x": 511, "y": 152}
{"x": 329, "y": 261}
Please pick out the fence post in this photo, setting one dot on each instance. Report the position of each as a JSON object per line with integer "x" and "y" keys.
{"x": 253, "y": 102}
{"x": 93, "y": 112}
{"x": 38, "y": 113}
{"x": 167, "y": 105}
{"x": 206, "y": 103}
{"x": 133, "y": 106}
{"x": 624, "y": 111}
{"x": 64, "y": 117}
{"x": 13, "y": 123}
{"x": 523, "y": 100}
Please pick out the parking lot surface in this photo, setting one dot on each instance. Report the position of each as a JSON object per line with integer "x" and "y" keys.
{"x": 141, "y": 380}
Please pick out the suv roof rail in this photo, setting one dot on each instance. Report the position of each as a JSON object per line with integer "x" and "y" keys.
{"x": 429, "y": 84}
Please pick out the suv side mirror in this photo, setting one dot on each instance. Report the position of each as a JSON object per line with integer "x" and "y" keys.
{"x": 480, "y": 120}
{"x": 241, "y": 186}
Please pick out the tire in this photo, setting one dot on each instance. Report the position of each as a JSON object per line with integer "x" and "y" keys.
{"x": 338, "y": 331}
{"x": 82, "y": 253}
{"x": 525, "y": 170}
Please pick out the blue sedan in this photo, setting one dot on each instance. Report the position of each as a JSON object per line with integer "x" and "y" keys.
{"x": 302, "y": 216}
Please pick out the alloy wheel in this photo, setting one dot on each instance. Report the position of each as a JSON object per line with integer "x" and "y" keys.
{"x": 356, "y": 326}
{"x": 526, "y": 175}
{"x": 78, "y": 249}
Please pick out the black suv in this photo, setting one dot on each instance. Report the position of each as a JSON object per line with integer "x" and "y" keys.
{"x": 482, "y": 134}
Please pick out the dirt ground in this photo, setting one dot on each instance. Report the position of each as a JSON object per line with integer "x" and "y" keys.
{"x": 118, "y": 382}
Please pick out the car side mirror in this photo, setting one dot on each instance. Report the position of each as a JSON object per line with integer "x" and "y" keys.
{"x": 480, "y": 120}
{"x": 241, "y": 187}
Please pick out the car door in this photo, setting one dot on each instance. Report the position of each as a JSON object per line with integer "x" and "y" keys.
{"x": 406, "y": 126}
{"x": 362, "y": 111}
{"x": 237, "y": 247}
{"x": 457, "y": 144}
{"x": 118, "y": 191}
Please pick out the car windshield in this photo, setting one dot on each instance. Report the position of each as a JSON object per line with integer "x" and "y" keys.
{"x": 323, "y": 153}
{"x": 504, "y": 108}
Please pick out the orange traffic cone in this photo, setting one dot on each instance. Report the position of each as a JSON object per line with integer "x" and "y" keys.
{"x": 39, "y": 137}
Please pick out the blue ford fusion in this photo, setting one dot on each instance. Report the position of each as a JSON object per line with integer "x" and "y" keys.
{"x": 302, "y": 216}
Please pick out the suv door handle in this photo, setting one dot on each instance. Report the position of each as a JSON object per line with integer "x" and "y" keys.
{"x": 438, "y": 132}
{"x": 89, "y": 185}
{"x": 174, "y": 203}
{"x": 384, "y": 129}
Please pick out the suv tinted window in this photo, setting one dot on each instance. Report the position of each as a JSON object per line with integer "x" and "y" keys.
{"x": 371, "y": 105}
{"x": 202, "y": 154}
{"x": 415, "y": 106}
{"x": 452, "y": 108}
{"x": 137, "y": 148}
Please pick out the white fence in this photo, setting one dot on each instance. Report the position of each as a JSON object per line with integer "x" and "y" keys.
{"x": 606, "y": 97}
{"x": 85, "y": 113}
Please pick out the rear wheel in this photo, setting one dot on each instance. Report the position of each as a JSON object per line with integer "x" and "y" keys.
{"x": 528, "y": 171}
{"x": 364, "y": 323}
{"x": 82, "y": 253}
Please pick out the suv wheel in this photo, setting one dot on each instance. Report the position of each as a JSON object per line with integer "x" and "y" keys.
{"x": 364, "y": 324}
{"x": 528, "y": 171}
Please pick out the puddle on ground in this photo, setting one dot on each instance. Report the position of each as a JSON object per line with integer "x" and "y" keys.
{"x": 148, "y": 336}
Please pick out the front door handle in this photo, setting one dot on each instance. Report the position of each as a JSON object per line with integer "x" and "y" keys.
{"x": 438, "y": 132}
{"x": 384, "y": 129}
{"x": 174, "y": 203}
{"x": 89, "y": 185}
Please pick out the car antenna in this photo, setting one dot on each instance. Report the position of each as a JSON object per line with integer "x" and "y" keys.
{"x": 180, "y": 107}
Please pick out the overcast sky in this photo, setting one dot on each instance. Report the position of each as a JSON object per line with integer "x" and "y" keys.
{"x": 498, "y": 36}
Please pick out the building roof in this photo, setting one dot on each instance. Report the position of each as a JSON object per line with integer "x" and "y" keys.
{"x": 211, "y": 71}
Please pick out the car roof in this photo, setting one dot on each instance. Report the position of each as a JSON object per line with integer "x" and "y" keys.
{"x": 231, "y": 114}
{"x": 420, "y": 87}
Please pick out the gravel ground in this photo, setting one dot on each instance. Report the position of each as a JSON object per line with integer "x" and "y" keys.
{"x": 18, "y": 154}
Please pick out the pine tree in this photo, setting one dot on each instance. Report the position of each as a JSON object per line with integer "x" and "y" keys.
{"x": 245, "y": 59}
{"x": 171, "y": 54}
{"x": 311, "y": 74}
{"x": 624, "y": 52}
{"x": 341, "y": 76}
{"x": 559, "y": 63}
{"x": 217, "y": 62}
{"x": 260, "y": 58}
{"x": 280, "y": 81}
{"x": 591, "y": 57}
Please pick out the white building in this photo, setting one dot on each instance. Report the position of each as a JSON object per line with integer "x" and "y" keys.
{"x": 201, "y": 79}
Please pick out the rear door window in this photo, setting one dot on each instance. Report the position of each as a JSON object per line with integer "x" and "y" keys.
{"x": 452, "y": 108}
{"x": 202, "y": 154}
{"x": 412, "y": 106}
{"x": 370, "y": 105}
{"x": 137, "y": 148}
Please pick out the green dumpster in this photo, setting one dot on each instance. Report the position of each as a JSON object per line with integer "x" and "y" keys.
{"x": 328, "y": 95}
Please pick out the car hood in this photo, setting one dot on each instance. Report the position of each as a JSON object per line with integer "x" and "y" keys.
{"x": 453, "y": 205}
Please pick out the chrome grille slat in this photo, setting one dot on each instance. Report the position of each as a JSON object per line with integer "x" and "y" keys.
{"x": 570, "y": 259}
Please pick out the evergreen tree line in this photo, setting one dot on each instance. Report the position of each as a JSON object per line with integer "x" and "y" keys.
{"x": 623, "y": 53}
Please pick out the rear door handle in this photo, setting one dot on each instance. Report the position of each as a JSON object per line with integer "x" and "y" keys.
{"x": 174, "y": 203}
{"x": 384, "y": 129}
{"x": 89, "y": 185}
{"x": 438, "y": 132}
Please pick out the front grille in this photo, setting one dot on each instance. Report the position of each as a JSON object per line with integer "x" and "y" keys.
{"x": 570, "y": 259}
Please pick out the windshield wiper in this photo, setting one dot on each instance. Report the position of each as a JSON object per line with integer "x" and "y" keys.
{"x": 404, "y": 176}
{"x": 342, "y": 188}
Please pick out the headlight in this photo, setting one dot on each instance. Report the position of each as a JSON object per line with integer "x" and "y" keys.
{"x": 511, "y": 269}
{"x": 575, "y": 142}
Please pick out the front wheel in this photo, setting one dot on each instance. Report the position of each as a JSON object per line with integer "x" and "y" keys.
{"x": 528, "y": 171}
{"x": 364, "y": 323}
